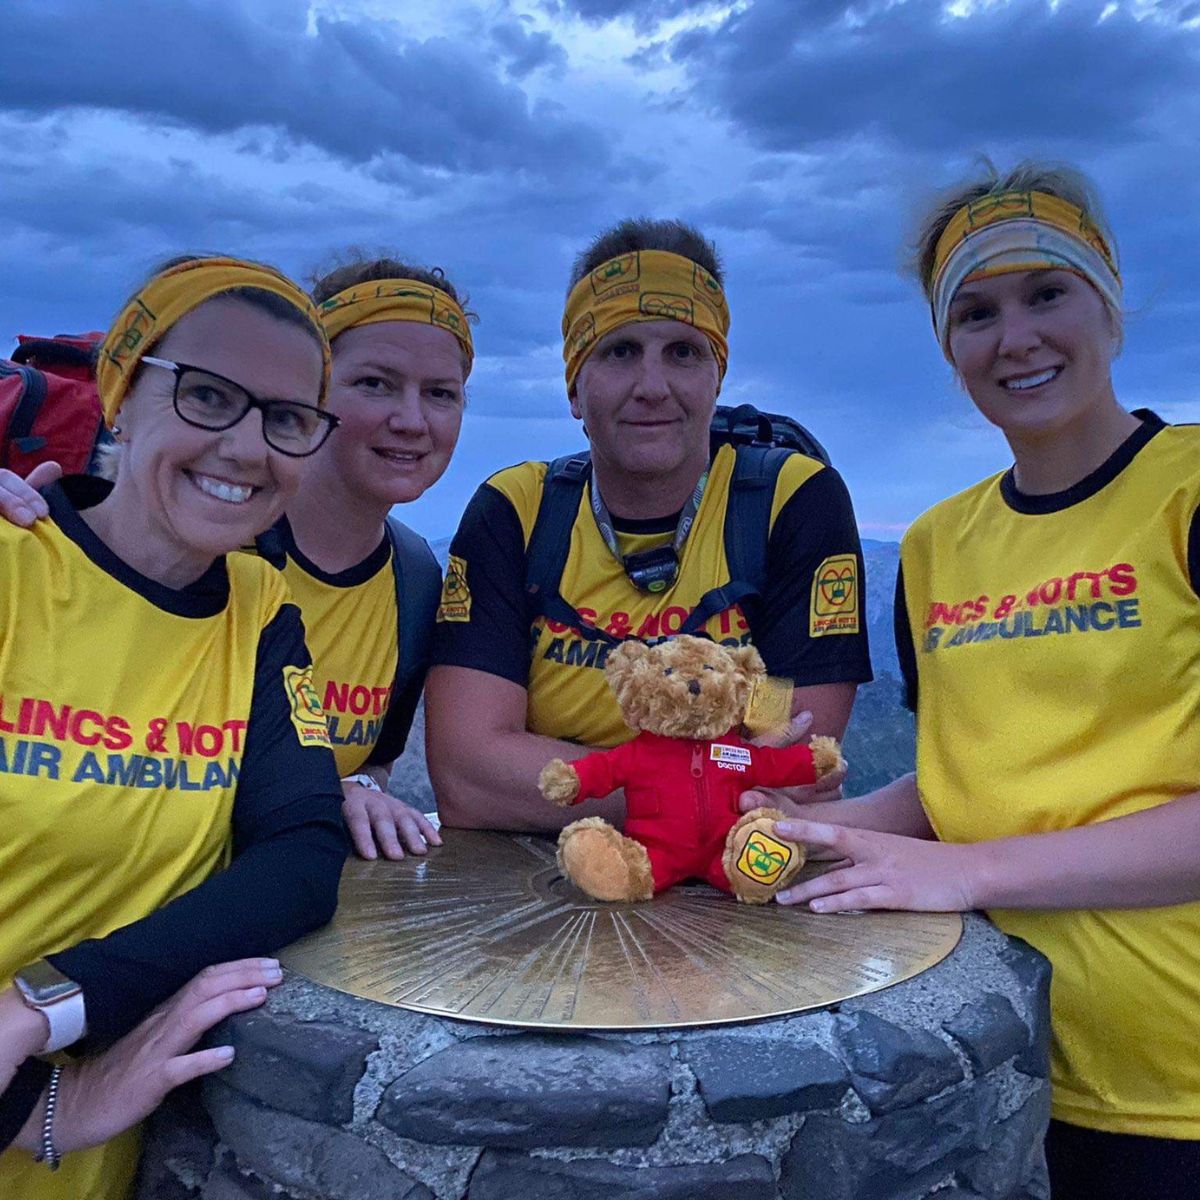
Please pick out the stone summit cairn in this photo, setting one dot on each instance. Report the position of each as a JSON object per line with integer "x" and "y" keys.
{"x": 936, "y": 1087}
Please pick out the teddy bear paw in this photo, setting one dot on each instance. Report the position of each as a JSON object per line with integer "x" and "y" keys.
{"x": 604, "y": 863}
{"x": 827, "y": 756}
{"x": 559, "y": 783}
{"x": 757, "y": 861}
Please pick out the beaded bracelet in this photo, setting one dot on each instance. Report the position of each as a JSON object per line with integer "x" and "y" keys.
{"x": 49, "y": 1155}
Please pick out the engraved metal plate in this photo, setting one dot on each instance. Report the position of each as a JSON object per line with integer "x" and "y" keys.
{"x": 485, "y": 928}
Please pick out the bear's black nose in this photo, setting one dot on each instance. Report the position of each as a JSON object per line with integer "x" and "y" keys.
{"x": 694, "y": 687}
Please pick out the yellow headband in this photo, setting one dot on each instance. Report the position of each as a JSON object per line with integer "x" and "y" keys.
{"x": 173, "y": 294}
{"x": 1019, "y": 231}
{"x": 646, "y": 285}
{"x": 397, "y": 300}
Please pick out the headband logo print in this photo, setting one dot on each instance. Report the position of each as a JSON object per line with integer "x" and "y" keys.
{"x": 617, "y": 270}
{"x": 138, "y": 326}
{"x": 666, "y": 305}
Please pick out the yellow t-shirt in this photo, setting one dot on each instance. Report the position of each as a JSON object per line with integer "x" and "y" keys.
{"x": 483, "y": 621}
{"x": 1057, "y": 653}
{"x": 124, "y": 708}
{"x": 350, "y": 622}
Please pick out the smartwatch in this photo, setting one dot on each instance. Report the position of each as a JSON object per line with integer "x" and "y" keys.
{"x": 367, "y": 781}
{"x": 44, "y": 987}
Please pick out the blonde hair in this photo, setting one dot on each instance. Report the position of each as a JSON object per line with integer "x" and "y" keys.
{"x": 1054, "y": 179}
{"x": 106, "y": 461}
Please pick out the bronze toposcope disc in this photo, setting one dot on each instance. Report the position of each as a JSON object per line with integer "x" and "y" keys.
{"x": 485, "y": 928}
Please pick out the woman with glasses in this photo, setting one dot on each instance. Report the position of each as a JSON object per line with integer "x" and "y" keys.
{"x": 402, "y": 352}
{"x": 157, "y": 716}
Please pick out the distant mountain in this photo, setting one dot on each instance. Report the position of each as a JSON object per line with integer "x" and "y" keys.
{"x": 882, "y": 560}
{"x": 880, "y": 742}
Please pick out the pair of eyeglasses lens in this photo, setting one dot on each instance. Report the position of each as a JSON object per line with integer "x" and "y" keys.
{"x": 213, "y": 402}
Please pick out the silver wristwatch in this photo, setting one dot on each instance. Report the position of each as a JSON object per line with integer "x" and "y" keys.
{"x": 44, "y": 987}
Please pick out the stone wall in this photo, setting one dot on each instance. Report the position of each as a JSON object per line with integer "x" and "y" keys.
{"x": 934, "y": 1087}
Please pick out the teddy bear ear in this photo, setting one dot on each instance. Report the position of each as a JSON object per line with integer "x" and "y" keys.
{"x": 621, "y": 661}
{"x": 749, "y": 662}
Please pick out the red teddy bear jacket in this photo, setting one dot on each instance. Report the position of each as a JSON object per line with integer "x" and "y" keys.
{"x": 681, "y": 796}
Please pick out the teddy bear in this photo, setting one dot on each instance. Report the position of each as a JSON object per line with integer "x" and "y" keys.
{"x": 683, "y": 774}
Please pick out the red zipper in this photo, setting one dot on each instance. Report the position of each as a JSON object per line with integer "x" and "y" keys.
{"x": 701, "y": 783}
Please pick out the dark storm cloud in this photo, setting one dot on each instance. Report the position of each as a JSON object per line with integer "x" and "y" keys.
{"x": 357, "y": 89}
{"x": 796, "y": 78}
{"x": 111, "y": 208}
{"x": 525, "y": 50}
{"x": 645, "y": 14}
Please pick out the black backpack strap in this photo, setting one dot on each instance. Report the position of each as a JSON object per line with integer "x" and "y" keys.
{"x": 33, "y": 395}
{"x": 747, "y": 532}
{"x": 550, "y": 542}
{"x": 418, "y": 589}
{"x": 46, "y": 353}
{"x": 418, "y": 582}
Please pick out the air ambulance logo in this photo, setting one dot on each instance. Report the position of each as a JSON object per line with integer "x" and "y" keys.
{"x": 834, "y": 607}
{"x": 763, "y": 858}
{"x": 456, "y": 596}
{"x": 308, "y": 717}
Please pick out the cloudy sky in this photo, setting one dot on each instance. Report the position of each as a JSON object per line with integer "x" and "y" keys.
{"x": 493, "y": 139}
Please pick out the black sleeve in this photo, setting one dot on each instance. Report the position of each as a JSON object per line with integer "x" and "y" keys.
{"x": 288, "y": 848}
{"x": 418, "y": 586}
{"x": 815, "y": 524}
{"x": 494, "y": 637}
{"x": 1194, "y": 552}
{"x": 397, "y": 722}
{"x": 906, "y": 651}
{"x": 18, "y": 1099}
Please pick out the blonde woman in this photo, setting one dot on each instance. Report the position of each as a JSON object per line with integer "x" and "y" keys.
{"x": 1048, "y": 623}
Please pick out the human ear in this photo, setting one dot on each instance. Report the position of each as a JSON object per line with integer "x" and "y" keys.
{"x": 573, "y": 398}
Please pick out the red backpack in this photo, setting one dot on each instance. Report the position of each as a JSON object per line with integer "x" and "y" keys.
{"x": 49, "y": 405}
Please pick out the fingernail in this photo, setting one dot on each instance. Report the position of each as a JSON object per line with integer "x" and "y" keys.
{"x": 817, "y": 905}
{"x": 268, "y": 963}
{"x": 273, "y": 974}
{"x": 257, "y": 993}
{"x": 225, "y": 1052}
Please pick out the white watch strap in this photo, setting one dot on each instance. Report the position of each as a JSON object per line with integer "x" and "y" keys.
{"x": 68, "y": 1022}
{"x": 367, "y": 781}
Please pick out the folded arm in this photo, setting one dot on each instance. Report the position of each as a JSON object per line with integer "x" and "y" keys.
{"x": 288, "y": 848}
{"x": 484, "y": 765}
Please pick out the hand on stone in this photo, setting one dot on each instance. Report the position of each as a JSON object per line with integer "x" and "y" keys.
{"x": 879, "y": 870}
{"x": 20, "y": 503}
{"x": 379, "y": 822}
{"x": 102, "y": 1096}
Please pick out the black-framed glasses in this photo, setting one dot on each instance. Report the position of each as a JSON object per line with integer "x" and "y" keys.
{"x": 210, "y": 401}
